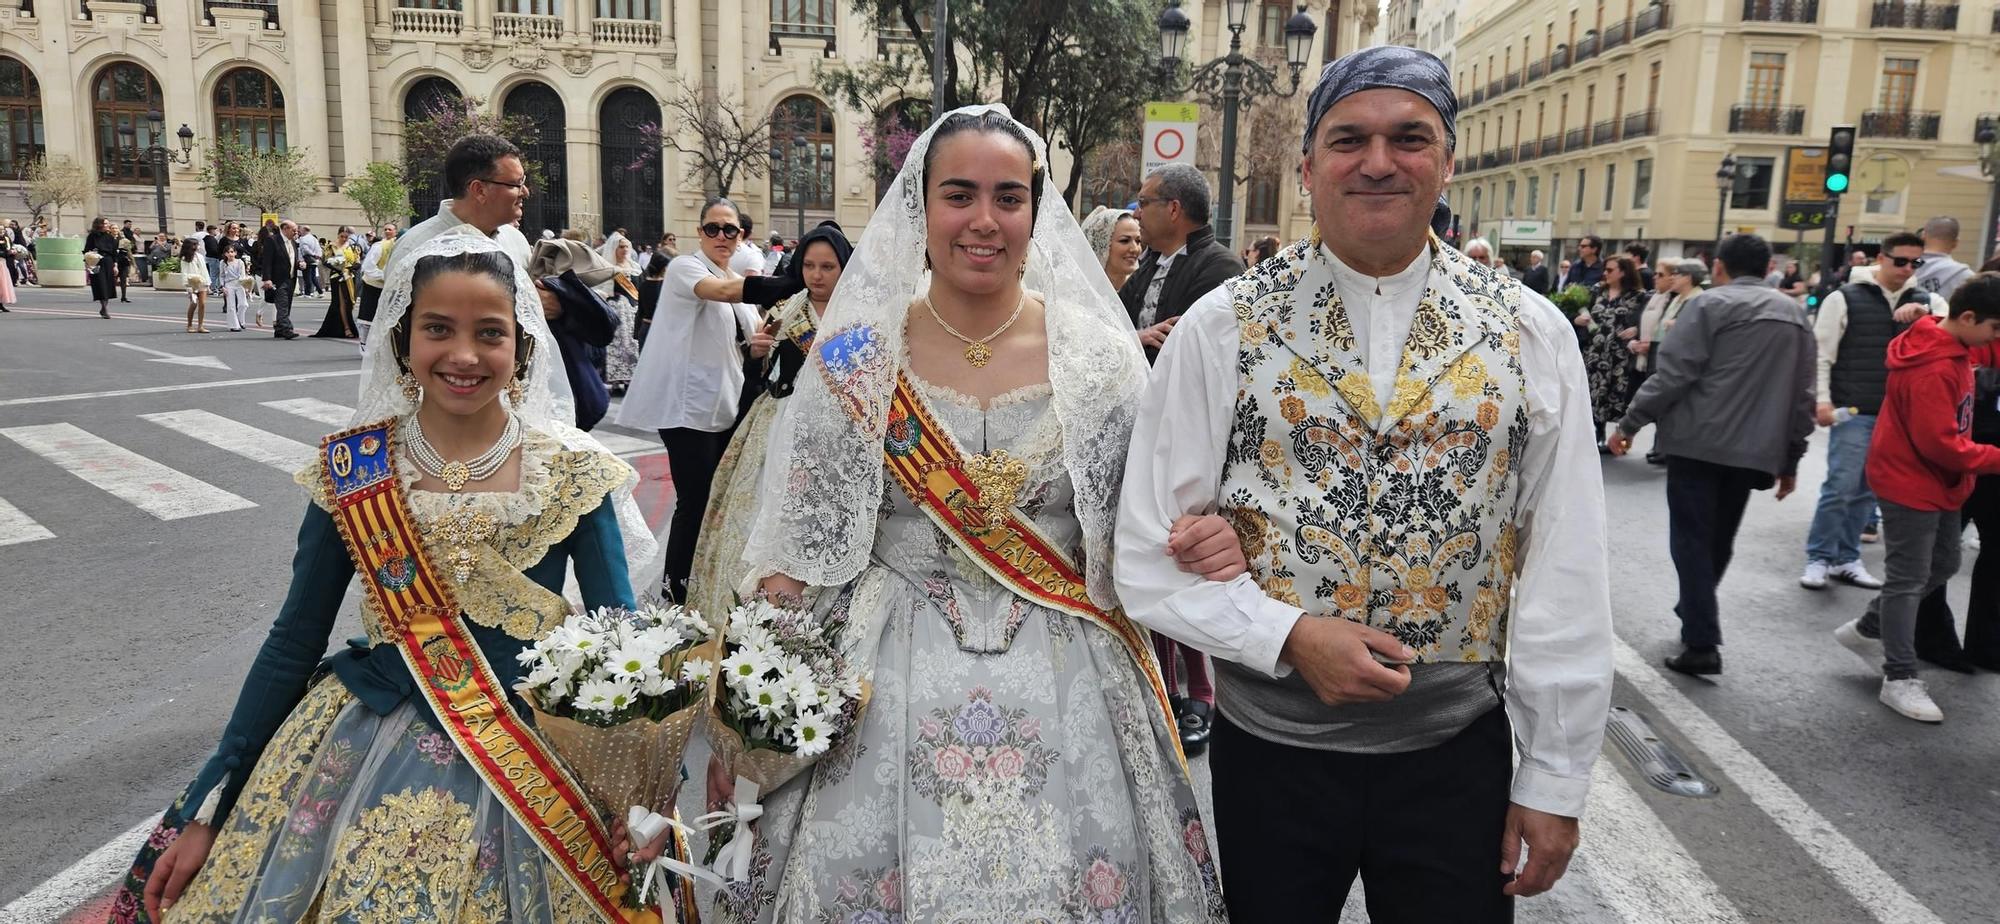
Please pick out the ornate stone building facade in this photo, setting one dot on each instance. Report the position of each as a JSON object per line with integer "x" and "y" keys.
{"x": 340, "y": 78}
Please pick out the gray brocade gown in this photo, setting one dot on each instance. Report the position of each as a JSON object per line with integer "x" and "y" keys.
{"x": 1011, "y": 766}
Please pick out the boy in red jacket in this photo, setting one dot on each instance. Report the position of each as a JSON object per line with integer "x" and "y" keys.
{"x": 1921, "y": 465}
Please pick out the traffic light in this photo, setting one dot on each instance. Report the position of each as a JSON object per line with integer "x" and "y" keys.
{"x": 1839, "y": 159}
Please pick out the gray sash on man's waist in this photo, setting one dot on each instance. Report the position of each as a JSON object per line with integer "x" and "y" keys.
{"x": 1442, "y": 699}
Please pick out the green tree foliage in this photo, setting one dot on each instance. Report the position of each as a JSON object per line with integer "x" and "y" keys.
{"x": 380, "y": 193}
{"x": 271, "y": 181}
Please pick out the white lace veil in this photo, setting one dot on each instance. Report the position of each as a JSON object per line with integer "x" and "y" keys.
{"x": 823, "y": 478}
{"x": 547, "y": 404}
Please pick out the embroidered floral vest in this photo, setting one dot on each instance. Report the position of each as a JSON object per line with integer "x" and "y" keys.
{"x": 1405, "y": 520}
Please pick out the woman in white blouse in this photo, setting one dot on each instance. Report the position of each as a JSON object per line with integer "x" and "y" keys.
{"x": 690, "y": 377}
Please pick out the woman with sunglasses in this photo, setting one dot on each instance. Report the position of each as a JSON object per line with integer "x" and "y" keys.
{"x": 690, "y": 380}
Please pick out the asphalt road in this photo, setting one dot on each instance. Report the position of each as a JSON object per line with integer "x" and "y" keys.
{"x": 147, "y": 523}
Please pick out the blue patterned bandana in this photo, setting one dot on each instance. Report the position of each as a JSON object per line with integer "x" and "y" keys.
{"x": 1385, "y": 67}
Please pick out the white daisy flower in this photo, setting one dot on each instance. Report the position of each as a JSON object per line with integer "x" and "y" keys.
{"x": 812, "y": 734}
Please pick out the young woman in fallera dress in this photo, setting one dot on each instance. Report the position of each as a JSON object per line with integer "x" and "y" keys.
{"x": 336, "y": 793}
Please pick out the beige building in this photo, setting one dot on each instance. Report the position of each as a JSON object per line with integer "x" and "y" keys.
{"x": 1612, "y": 117}
{"x": 339, "y": 78}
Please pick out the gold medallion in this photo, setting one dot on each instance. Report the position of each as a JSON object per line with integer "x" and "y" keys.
{"x": 455, "y": 475}
{"x": 999, "y": 478}
{"x": 978, "y": 355}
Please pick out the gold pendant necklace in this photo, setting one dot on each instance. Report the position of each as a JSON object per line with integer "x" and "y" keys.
{"x": 976, "y": 351}
{"x": 998, "y": 476}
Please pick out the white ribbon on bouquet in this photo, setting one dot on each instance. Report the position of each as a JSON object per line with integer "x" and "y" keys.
{"x": 734, "y": 860}
{"x": 642, "y": 826}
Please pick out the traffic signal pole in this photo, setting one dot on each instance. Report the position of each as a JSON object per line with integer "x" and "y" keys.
{"x": 1839, "y": 170}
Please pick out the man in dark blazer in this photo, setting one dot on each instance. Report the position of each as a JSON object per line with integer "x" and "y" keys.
{"x": 1183, "y": 260}
{"x": 1538, "y": 278}
{"x": 278, "y": 264}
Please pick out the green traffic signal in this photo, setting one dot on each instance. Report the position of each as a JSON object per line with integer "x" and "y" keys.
{"x": 1836, "y": 182}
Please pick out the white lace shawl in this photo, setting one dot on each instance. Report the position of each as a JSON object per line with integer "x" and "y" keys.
{"x": 823, "y": 477}
{"x": 546, "y": 404}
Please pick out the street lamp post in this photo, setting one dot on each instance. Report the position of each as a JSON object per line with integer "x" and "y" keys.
{"x": 1725, "y": 180}
{"x": 1989, "y": 165}
{"x": 1230, "y": 79}
{"x": 159, "y": 156}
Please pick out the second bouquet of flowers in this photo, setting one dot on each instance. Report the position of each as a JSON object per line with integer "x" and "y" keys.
{"x": 785, "y": 696}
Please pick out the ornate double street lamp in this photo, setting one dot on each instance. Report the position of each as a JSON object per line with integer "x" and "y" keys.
{"x": 1725, "y": 180}
{"x": 158, "y": 156}
{"x": 1230, "y": 79}
{"x": 801, "y": 174}
{"x": 1989, "y": 166}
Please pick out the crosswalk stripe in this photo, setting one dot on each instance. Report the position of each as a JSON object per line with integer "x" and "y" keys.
{"x": 240, "y": 438}
{"x": 122, "y": 473}
{"x": 16, "y": 526}
{"x": 1845, "y": 862}
{"x": 326, "y": 412}
{"x": 1637, "y": 865}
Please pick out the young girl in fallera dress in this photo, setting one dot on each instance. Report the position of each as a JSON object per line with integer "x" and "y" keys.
{"x": 335, "y": 793}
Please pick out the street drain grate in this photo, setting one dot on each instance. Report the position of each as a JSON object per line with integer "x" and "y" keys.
{"x": 1655, "y": 759}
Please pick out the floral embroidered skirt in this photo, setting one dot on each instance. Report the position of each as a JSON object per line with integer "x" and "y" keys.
{"x": 1035, "y": 782}
{"x": 351, "y": 816}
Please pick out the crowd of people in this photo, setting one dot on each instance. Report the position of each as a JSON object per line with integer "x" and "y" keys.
{"x": 1269, "y": 504}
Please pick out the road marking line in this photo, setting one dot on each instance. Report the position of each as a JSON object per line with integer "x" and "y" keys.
{"x": 91, "y": 314}
{"x": 62, "y": 892}
{"x": 161, "y": 389}
{"x": 622, "y": 445}
{"x": 1848, "y": 865}
{"x": 127, "y": 475}
{"x": 240, "y": 438}
{"x": 162, "y": 356}
{"x": 16, "y": 526}
{"x": 326, "y": 412}
{"x": 1636, "y": 863}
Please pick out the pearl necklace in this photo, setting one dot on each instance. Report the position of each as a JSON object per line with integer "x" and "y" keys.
{"x": 976, "y": 351}
{"x": 454, "y": 473}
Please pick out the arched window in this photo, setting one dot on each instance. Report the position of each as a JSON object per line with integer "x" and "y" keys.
{"x": 250, "y": 110}
{"x": 21, "y": 139}
{"x": 801, "y": 174}
{"x": 547, "y": 207}
{"x": 423, "y": 100}
{"x": 121, "y": 97}
{"x": 633, "y": 188}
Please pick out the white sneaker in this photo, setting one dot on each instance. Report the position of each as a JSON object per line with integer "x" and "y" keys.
{"x": 1856, "y": 574}
{"x": 1910, "y": 698}
{"x": 1815, "y": 576}
{"x": 1867, "y": 649}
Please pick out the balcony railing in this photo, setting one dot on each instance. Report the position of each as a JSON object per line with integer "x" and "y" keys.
{"x": 1641, "y": 124}
{"x": 1650, "y": 19}
{"x": 1605, "y": 132}
{"x": 1769, "y": 120}
{"x": 1551, "y": 145}
{"x": 1900, "y": 14}
{"x": 1513, "y": 81}
{"x": 1558, "y": 60}
{"x": 1805, "y": 12}
{"x": 1576, "y": 139}
{"x": 1489, "y": 160}
{"x": 641, "y": 32}
{"x": 416, "y": 21}
{"x": 1616, "y": 34}
{"x": 1881, "y": 123}
{"x": 510, "y": 25}
{"x": 151, "y": 11}
{"x": 1529, "y": 150}
{"x": 1479, "y": 96}
{"x": 1493, "y": 89}
{"x": 802, "y": 30}
{"x": 270, "y": 8}
{"x": 1504, "y": 157}
{"x": 1586, "y": 48}
{"x": 1536, "y": 69}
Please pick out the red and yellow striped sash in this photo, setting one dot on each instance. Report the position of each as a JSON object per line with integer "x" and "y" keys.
{"x": 932, "y": 471}
{"x": 418, "y": 610}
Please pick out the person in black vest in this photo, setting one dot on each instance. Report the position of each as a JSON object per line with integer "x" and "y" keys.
{"x": 1183, "y": 260}
{"x": 1855, "y": 325}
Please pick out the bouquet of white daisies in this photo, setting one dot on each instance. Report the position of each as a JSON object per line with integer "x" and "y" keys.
{"x": 785, "y": 697}
{"x": 617, "y": 693}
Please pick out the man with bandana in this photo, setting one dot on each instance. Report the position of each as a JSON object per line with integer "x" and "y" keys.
{"x": 1401, "y": 438}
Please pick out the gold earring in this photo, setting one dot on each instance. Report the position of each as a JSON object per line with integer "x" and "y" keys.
{"x": 515, "y": 392}
{"x": 411, "y": 390}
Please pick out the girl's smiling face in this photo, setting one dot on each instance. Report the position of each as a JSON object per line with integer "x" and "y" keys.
{"x": 462, "y": 341}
